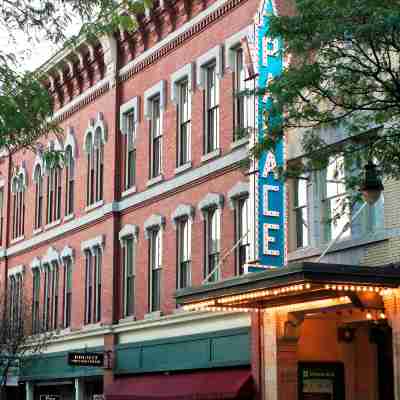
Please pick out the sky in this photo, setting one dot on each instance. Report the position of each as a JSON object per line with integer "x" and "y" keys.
{"x": 32, "y": 55}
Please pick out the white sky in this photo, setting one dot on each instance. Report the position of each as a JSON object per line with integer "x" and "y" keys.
{"x": 33, "y": 54}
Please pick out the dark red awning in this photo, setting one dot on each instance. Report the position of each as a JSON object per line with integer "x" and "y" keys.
{"x": 199, "y": 385}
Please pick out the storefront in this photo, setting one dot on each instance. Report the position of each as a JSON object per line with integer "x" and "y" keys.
{"x": 319, "y": 331}
{"x": 50, "y": 376}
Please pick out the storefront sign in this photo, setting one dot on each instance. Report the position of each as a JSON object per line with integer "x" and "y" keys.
{"x": 266, "y": 55}
{"x": 50, "y": 397}
{"x": 86, "y": 359}
{"x": 321, "y": 381}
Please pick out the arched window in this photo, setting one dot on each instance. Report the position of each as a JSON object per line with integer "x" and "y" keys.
{"x": 38, "y": 179}
{"x": 18, "y": 204}
{"x": 53, "y": 193}
{"x": 69, "y": 181}
{"x": 99, "y": 164}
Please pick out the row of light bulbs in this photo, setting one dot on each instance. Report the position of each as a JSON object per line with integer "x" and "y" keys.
{"x": 354, "y": 288}
{"x": 265, "y": 293}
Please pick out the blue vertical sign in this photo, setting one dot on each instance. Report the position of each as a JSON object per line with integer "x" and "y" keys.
{"x": 266, "y": 54}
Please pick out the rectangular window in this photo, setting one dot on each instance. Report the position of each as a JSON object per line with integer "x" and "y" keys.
{"x": 97, "y": 281}
{"x": 184, "y": 253}
{"x": 88, "y": 287}
{"x": 39, "y": 201}
{"x": 335, "y": 211}
{"x": 155, "y": 269}
{"x": 36, "y": 301}
{"x": 54, "y": 292}
{"x": 244, "y": 106}
{"x": 15, "y": 299}
{"x": 184, "y": 122}
{"x": 47, "y": 298}
{"x": 213, "y": 243}
{"x": 128, "y": 278}
{"x": 18, "y": 214}
{"x": 54, "y": 195}
{"x": 69, "y": 183}
{"x": 243, "y": 228}
{"x": 156, "y": 137}
{"x": 67, "y": 292}
{"x": 130, "y": 150}
{"x": 99, "y": 170}
{"x": 301, "y": 212}
{"x": 212, "y": 109}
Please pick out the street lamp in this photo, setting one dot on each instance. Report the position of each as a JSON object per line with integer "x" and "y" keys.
{"x": 372, "y": 186}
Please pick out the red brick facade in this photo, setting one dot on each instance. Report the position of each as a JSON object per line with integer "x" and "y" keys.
{"x": 194, "y": 40}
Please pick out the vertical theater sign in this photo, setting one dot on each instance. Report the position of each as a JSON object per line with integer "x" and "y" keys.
{"x": 265, "y": 61}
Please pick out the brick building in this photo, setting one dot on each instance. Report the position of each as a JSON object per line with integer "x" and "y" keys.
{"x": 152, "y": 197}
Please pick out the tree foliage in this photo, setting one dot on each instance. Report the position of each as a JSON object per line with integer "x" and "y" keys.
{"x": 342, "y": 73}
{"x": 25, "y": 105}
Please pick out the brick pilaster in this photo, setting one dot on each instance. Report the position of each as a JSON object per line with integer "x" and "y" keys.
{"x": 392, "y": 308}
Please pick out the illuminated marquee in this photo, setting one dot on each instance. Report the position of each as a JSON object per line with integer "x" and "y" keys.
{"x": 266, "y": 55}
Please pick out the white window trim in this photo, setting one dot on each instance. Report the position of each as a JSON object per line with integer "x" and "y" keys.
{"x": 128, "y": 231}
{"x": 231, "y": 44}
{"x": 186, "y": 72}
{"x": 158, "y": 89}
{"x": 211, "y": 200}
{"x": 94, "y": 125}
{"x": 17, "y": 270}
{"x": 155, "y": 221}
{"x": 70, "y": 141}
{"x": 215, "y": 54}
{"x": 182, "y": 211}
{"x": 131, "y": 105}
{"x": 91, "y": 244}
{"x": 241, "y": 189}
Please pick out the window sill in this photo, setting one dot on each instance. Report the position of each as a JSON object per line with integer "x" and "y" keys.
{"x": 239, "y": 143}
{"x": 155, "y": 180}
{"x": 183, "y": 168}
{"x": 18, "y": 239}
{"x": 92, "y": 327}
{"x": 37, "y": 231}
{"x": 129, "y": 191}
{"x": 126, "y": 320}
{"x": 64, "y": 331}
{"x": 211, "y": 155}
{"x": 52, "y": 224}
{"x": 68, "y": 217}
{"x": 153, "y": 315}
{"x": 94, "y": 206}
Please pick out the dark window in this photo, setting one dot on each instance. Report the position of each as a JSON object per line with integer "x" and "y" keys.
{"x": 156, "y": 137}
{"x": 184, "y": 252}
{"x": 184, "y": 126}
{"x": 212, "y": 109}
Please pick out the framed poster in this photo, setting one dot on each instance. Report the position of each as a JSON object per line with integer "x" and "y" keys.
{"x": 321, "y": 381}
